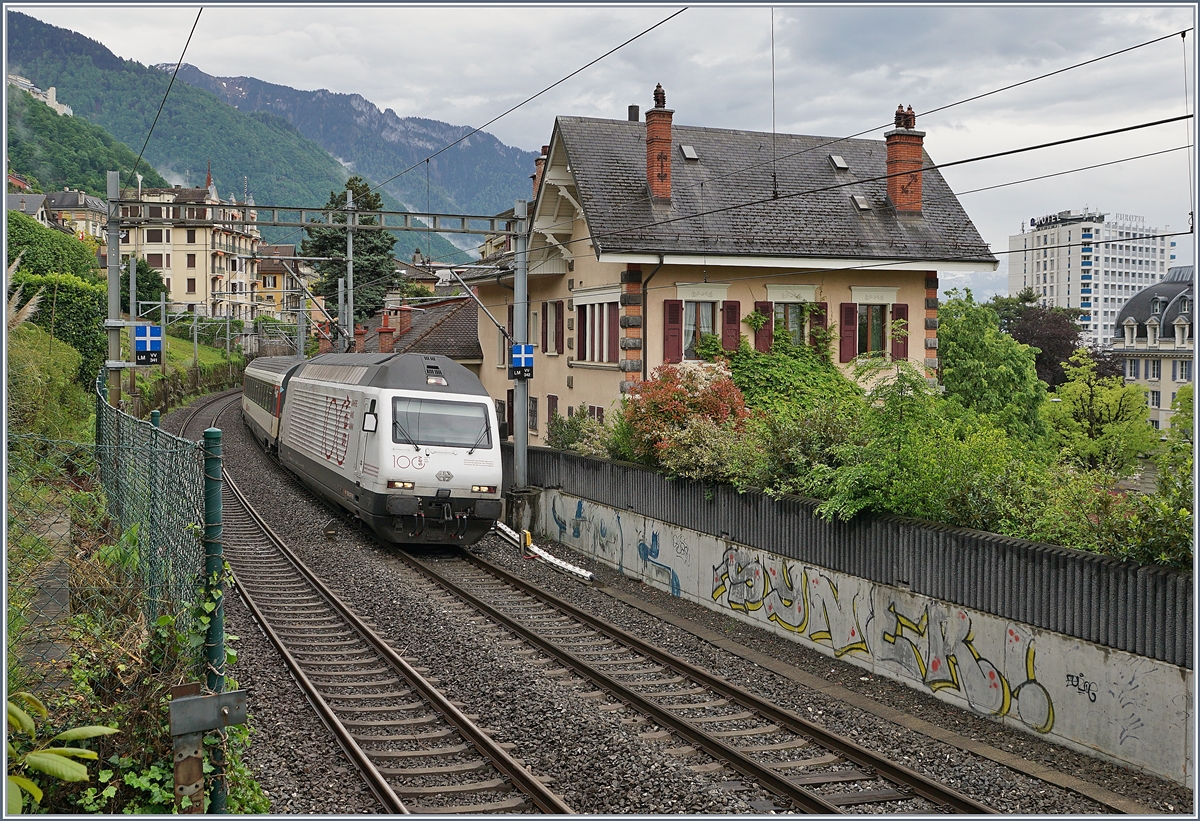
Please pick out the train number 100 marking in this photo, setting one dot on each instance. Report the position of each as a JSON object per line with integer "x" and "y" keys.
{"x": 416, "y": 462}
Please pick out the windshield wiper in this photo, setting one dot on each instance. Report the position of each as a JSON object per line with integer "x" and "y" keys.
{"x": 479, "y": 439}
{"x": 396, "y": 426}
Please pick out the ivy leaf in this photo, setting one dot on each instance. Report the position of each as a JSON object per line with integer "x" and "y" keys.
{"x": 64, "y": 769}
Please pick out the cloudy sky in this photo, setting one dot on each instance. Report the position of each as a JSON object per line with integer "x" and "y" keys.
{"x": 837, "y": 71}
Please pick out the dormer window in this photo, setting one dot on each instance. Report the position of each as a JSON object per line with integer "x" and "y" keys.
{"x": 1156, "y": 305}
{"x": 1130, "y": 329}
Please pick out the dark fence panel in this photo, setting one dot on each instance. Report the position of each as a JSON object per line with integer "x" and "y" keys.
{"x": 1141, "y": 609}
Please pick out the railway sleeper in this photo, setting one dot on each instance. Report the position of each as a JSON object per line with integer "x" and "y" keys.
{"x": 746, "y": 731}
{"x": 432, "y": 718}
{"x": 435, "y": 752}
{"x": 377, "y": 671}
{"x": 634, "y": 660}
{"x": 324, "y": 685}
{"x": 726, "y": 717}
{"x": 404, "y": 707}
{"x": 448, "y": 769}
{"x": 515, "y": 803}
{"x": 370, "y": 696}
{"x": 491, "y": 785}
{"x": 818, "y": 779}
{"x": 383, "y": 739}
{"x": 794, "y": 744}
{"x": 340, "y": 663}
{"x": 865, "y": 797}
{"x": 698, "y": 705}
{"x": 819, "y": 761}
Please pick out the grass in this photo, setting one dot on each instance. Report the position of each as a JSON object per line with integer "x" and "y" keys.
{"x": 179, "y": 354}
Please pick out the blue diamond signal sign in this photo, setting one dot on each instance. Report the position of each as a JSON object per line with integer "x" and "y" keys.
{"x": 147, "y": 345}
{"x": 521, "y": 364}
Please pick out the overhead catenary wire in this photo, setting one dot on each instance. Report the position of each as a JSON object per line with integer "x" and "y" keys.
{"x": 167, "y": 93}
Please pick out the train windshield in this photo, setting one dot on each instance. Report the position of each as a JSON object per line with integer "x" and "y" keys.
{"x": 438, "y": 422}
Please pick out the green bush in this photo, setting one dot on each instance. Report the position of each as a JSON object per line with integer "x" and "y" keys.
{"x": 44, "y": 394}
{"x": 46, "y": 251}
{"x": 73, "y": 310}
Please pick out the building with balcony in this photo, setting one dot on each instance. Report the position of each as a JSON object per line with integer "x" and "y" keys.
{"x": 84, "y": 214}
{"x": 1090, "y": 261}
{"x": 208, "y": 267}
{"x": 1156, "y": 340}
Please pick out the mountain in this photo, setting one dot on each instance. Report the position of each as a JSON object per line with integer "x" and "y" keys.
{"x": 480, "y": 175}
{"x": 257, "y": 149}
{"x": 67, "y": 151}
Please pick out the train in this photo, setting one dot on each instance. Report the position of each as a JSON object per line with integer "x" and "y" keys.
{"x": 409, "y": 443}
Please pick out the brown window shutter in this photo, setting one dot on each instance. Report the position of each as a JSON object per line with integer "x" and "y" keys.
{"x": 731, "y": 319}
{"x": 581, "y": 330}
{"x": 510, "y": 323}
{"x": 818, "y": 319}
{"x": 849, "y": 332}
{"x": 765, "y": 335}
{"x": 614, "y": 321}
{"x": 551, "y": 407}
{"x": 508, "y": 412}
{"x": 545, "y": 330}
{"x": 600, "y": 415}
{"x": 558, "y": 326}
{"x": 672, "y": 330}
{"x": 900, "y": 343}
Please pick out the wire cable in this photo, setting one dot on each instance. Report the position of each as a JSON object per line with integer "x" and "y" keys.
{"x": 164, "y": 99}
{"x": 1188, "y": 127}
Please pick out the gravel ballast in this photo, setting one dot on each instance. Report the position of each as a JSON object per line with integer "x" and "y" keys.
{"x": 593, "y": 755}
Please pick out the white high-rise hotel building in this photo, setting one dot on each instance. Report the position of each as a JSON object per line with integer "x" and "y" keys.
{"x": 1088, "y": 260}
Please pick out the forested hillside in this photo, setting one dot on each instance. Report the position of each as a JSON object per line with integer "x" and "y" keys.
{"x": 67, "y": 151}
{"x": 480, "y": 175}
{"x": 280, "y": 166}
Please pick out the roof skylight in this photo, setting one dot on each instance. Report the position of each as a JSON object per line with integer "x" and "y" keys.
{"x": 689, "y": 152}
{"x": 860, "y": 202}
{"x": 839, "y": 163}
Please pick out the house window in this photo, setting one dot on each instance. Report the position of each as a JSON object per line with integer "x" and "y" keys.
{"x": 191, "y": 233}
{"x": 551, "y": 408}
{"x": 699, "y": 319}
{"x": 1133, "y": 368}
{"x": 156, "y": 212}
{"x": 167, "y": 235}
{"x": 790, "y": 317}
{"x": 596, "y": 412}
{"x": 1155, "y": 399}
{"x": 1154, "y": 369}
{"x": 167, "y": 260}
{"x": 1154, "y": 424}
{"x": 154, "y": 235}
{"x": 154, "y": 260}
{"x": 191, "y": 260}
{"x": 1185, "y": 370}
{"x": 191, "y": 285}
{"x": 552, "y": 327}
{"x": 598, "y": 329}
{"x": 871, "y": 329}
{"x": 167, "y": 284}
{"x": 533, "y": 413}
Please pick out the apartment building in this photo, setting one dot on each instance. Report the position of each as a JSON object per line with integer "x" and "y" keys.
{"x": 81, "y": 212}
{"x": 207, "y": 267}
{"x": 1157, "y": 341}
{"x": 1088, "y": 260}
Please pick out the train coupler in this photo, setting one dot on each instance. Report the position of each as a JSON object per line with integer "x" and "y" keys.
{"x": 418, "y": 525}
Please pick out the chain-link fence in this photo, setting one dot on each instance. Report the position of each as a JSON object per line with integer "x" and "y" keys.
{"x": 104, "y": 538}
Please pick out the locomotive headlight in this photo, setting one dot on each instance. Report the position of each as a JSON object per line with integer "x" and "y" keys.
{"x": 394, "y": 485}
{"x": 483, "y": 488}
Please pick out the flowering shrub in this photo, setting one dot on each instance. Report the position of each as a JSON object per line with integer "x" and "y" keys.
{"x": 662, "y": 406}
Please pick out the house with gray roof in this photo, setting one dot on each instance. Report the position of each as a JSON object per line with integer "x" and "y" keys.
{"x": 648, "y": 235}
{"x": 1157, "y": 340}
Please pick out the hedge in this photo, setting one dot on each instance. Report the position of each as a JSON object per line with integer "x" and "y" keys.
{"x": 74, "y": 311}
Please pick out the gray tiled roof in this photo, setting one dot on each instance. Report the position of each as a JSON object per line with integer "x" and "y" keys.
{"x": 608, "y": 160}
{"x": 1176, "y": 284}
{"x": 63, "y": 200}
{"x": 448, "y": 328}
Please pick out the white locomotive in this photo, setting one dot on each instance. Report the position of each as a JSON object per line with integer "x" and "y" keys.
{"x": 409, "y": 443}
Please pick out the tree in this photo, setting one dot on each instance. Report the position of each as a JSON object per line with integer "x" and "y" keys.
{"x": 1055, "y": 335}
{"x": 46, "y": 251}
{"x": 1099, "y": 422}
{"x": 1107, "y": 362}
{"x": 374, "y": 266}
{"x": 1009, "y": 309}
{"x": 987, "y": 371}
{"x": 149, "y": 285}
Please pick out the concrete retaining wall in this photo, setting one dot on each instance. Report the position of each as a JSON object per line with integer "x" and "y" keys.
{"x": 1124, "y": 707}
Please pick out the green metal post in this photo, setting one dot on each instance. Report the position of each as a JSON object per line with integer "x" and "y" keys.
{"x": 155, "y": 417}
{"x": 102, "y": 388}
{"x": 214, "y": 561}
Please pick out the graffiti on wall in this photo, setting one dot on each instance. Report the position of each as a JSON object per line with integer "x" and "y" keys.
{"x": 935, "y": 646}
{"x": 599, "y": 531}
{"x": 649, "y": 554}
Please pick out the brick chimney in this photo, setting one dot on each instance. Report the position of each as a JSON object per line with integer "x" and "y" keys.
{"x": 360, "y": 339}
{"x": 658, "y": 147}
{"x": 324, "y": 343}
{"x": 539, "y": 166}
{"x": 386, "y": 343}
{"x": 904, "y": 159}
{"x": 403, "y": 320}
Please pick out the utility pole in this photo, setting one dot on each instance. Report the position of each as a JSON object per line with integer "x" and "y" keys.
{"x": 341, "y": 338}
{"x": 350, "y": 262}
{"x": 114, "y": 281}
{"x": 521, "y": 331}
{"x": 300, "y": 330}
{"x": 195, "y": 341}
{"x": 133, "y": 315}
{"x": 162, "y": 321}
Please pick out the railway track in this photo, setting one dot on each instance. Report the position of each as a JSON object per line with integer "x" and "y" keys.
{"x": 807, "y": 767}
{"x": 415, "y": 748}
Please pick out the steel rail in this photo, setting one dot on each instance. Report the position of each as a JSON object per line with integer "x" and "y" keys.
{"x": 918, "y": 783}
{"x": 771, "y": 779}
{"x": 525, "y": 781}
